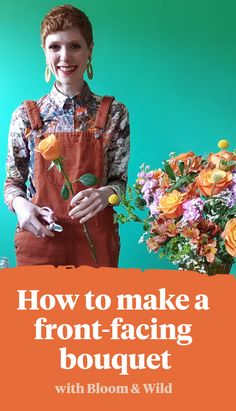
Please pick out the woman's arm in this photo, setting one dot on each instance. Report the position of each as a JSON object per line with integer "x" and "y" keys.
{"x": 28, "y": 214}
{"x": 118, "y": 153}
{"x": 17, "y": 159}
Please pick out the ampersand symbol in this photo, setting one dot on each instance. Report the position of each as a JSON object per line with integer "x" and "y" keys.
{"x": 135, "y": 389}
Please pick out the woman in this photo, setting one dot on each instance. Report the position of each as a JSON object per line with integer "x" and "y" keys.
{"x": 93, "y": 133}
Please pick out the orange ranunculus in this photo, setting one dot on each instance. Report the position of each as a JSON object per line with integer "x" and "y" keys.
{"x": 229, "y": 236}
{"x": 190, "y": 160}
{"x": 214, "y": 158}
{"x": 212, "y": 182}
{"x": 49, "y": 148}
{"x": 171, "y": 204}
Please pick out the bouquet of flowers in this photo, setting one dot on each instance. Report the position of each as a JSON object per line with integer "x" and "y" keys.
{"x": 190, "y": 206}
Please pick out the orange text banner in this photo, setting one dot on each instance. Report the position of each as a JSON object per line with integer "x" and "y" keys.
{"x": 79, "y": 338}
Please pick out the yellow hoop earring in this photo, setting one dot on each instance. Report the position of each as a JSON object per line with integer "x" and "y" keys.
{"x": 47, "y": 74}
{"x": 89, "y": 69}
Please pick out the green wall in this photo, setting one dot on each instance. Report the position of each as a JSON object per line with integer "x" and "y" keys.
{"x": 173, "y": 63}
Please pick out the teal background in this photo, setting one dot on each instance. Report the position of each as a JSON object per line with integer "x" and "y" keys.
{"x": 172, "y": 63}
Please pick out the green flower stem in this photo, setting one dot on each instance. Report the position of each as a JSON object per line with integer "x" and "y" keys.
{"x": 132, "y": 215}
{"x": 91, "y": 245}
{"x": 67, "y": 180}
{"x": 85, "y": 229}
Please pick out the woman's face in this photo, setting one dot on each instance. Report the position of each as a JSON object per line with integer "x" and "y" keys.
{"x": 67, "y": 54}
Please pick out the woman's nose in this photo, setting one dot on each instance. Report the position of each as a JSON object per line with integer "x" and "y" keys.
{"x": 64, "y": 53}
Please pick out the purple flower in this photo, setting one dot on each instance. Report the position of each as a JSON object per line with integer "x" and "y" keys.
{"x": 234, "y": 184}
{"x": 154, "y": 205}
{"x": 148, "y": 190}
{"x": 230, "y": 197}
{"x": 193, "y": 209}
{"x": 231, "y": 200}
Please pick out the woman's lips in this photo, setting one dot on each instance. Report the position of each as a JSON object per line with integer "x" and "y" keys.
{"x": 67, "y": 70}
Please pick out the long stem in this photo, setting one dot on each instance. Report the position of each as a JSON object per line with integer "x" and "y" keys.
{"x": 134, "y": 216}
{"x": 67, "y": 180}
{"x": 91, "y": 245}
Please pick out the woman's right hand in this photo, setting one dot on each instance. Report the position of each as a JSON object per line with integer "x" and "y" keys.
{"x": 29, "y": 216}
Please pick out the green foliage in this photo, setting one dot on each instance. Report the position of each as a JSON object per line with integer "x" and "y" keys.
{"x": 140, "y": 203}
{"x": 65, "y": 192}
{"x": 129, "y": 203}
{"x": 181, "y": 167}
{"x": 168, "y": 170}
{"x": 88, "y": 180}
{"x": 182, "y": 182}
{"x": 227, "y": 164}
{"x": 177, "y": 247}
{"x": 58, "y": 164}
{"x": 51, "y": 166}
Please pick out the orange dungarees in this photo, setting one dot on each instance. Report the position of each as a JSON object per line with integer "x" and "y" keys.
{"x": 83, "y": 153}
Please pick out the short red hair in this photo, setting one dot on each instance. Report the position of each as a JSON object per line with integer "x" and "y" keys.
{"x": 63, "y": 18}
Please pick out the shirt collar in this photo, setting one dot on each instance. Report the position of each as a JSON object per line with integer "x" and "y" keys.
{"x": 81, "y": 99}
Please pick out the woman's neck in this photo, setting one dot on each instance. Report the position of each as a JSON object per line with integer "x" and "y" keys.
{"x": 69, "y": 90}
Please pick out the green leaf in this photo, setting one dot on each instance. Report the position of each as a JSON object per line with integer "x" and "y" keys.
{"x": 146, "y": 227}
{"x": 140, "y": 203}
{"x": 65, "y": 193}
{"x": 58, "y": 165}
{"x": 181, "y": 167}
{"x": 88, "y": 180}
{"x": 172, "y": 154}
{"x": 51, "y": 166}
{"x": 182, "y": 181}
{"x": 169, "y": 170}
{"x": 227, "y": 164}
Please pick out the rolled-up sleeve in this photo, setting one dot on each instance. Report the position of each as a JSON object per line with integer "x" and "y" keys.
{"x": 119, "y": 151}
{"x": 17, "y": 159}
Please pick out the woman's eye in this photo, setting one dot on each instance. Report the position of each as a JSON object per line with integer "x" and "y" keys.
{"x": 53, "y": 47}
{"x": 75, "y": 46}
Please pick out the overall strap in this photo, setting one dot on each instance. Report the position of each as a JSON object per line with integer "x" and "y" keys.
{"x": 33, "y": 114}
{"x": 102, "y": 112}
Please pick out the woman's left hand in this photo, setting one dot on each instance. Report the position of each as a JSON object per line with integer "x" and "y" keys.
{"x": 89, "y": 202}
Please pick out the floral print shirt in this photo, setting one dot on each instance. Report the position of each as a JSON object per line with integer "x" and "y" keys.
{"x": 61, "y": 113}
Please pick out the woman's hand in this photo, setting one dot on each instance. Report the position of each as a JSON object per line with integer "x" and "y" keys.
{"x": 29, "y": 216}
{"x": 89, "y": 202}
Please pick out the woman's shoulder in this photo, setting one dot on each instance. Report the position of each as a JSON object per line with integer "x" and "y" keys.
{"x": 116, "y": 105}
{"x": 20, "y": 111}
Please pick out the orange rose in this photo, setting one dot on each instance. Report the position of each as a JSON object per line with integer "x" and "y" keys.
{"x": 171, "y": 204}
{"x": 190, "y": 160}
{"x": 49, "y": 148}
{"x": 229, "y": 236}
{"x": 212, "y": 182}
{"x": 214, "y": 158}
